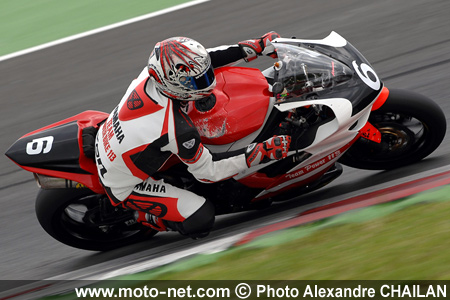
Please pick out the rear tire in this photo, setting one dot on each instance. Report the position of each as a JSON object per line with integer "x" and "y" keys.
{"x": 60, "y": 213}
{"x": 412, "y": 127}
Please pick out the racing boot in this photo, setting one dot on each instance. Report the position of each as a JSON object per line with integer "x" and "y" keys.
{"x": 162, "y": 225}
{"x": 151, "y": 221}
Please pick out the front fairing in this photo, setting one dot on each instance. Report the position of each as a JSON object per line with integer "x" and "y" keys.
{"x": 318, "y": 70}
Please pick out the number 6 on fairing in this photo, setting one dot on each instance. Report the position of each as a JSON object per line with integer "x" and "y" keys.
{"x": 365, "y": 68}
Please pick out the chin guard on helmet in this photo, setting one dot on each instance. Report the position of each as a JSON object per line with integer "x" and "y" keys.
{"x": 181, "y": 69}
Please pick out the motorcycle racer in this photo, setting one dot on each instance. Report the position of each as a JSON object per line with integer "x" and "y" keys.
{"x": 150, "y": 126}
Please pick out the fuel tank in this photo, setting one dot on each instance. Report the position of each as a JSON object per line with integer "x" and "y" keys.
{"x": 237, "y": 108}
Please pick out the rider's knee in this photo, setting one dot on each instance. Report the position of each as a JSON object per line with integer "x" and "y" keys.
{"x": 199, "y": 224}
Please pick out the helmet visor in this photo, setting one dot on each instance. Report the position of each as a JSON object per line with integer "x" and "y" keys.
{"x": 199, "y": 82}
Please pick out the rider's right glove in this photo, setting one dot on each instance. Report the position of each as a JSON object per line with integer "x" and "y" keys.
{"x": 276, "y": 147}
{"x": 261, "y": 46}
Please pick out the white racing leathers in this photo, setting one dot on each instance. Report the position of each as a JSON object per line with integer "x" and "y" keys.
{"x": 139, "y": 137}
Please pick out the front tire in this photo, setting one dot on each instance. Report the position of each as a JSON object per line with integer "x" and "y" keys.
{"x": 62, "y": 214}
{"x": 412, "y": 127}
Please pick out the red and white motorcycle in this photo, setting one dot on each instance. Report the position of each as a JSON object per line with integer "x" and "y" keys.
{"x": 323, "y": 93}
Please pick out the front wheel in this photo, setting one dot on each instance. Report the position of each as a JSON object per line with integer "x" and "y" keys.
{"x": 412, "y": 126}
{"x": 81, "y": 219}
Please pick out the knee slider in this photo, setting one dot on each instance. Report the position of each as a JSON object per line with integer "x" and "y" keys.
{"x": 199, "y": 224}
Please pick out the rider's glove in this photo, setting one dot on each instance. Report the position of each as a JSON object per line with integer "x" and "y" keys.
{"x": 276, "y": 147}
{"x": 252, "y": 48}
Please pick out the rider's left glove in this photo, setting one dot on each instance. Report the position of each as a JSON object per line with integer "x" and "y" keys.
{"x": 262, "y": 46}
{"x": 276, "y": 147}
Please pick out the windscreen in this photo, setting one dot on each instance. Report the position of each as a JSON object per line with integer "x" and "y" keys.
{"x": 300, "y": 72}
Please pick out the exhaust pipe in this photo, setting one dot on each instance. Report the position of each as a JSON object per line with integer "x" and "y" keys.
{"x": 48, "y": 182}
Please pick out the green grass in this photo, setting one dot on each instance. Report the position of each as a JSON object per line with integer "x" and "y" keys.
{"x": 25, "y": 23}
{"x": 411, "y": 244}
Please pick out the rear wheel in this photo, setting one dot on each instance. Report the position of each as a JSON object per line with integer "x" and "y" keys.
{"x": 81, "y": 219}
{"x": 412, "y": 126}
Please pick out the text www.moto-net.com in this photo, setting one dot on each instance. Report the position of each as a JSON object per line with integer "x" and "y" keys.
{"x": 146, "y": 292}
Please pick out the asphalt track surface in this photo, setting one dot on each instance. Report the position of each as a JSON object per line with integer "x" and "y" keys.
{"x": 406, "y": 41}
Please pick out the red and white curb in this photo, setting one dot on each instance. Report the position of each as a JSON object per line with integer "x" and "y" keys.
{"x": 369, "y": 199}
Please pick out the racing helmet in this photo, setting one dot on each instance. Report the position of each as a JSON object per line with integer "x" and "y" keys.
{"x": 181, "y": 69}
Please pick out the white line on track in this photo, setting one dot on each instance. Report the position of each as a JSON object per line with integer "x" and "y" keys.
{"x": 214, "y": 246}
{"x": 102, "y": 29}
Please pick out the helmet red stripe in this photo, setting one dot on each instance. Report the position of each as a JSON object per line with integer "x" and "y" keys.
{"x": 175, "y": 56}
{"x": 180, "y": 54}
